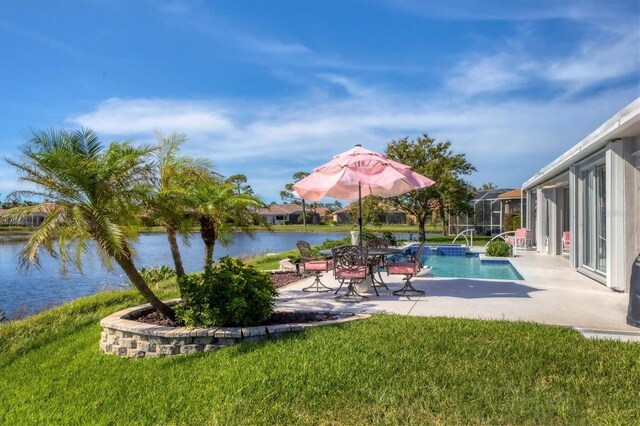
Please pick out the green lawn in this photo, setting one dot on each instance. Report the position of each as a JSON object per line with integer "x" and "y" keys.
{"x": 383, "y": 370}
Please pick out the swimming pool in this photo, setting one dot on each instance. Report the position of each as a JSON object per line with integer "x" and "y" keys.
{"x": 470, "y": 267}
{"x": 458, "y": 262}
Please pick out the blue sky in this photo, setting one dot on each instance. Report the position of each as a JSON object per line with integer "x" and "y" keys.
{"x": 268, "y": 88}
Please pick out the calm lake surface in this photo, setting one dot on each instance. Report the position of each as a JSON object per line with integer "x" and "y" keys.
{"x": 38, "y": 289}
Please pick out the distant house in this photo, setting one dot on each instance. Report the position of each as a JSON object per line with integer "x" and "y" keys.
{"x": 388, "y": 216}
{"x": 283, "y": 214}
{"x": 34, "y": 219}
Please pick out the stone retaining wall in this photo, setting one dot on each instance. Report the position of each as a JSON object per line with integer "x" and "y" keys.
{"x": 123, "y": 336}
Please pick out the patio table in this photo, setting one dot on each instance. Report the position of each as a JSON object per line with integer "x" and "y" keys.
{"x": 375, "y": 256}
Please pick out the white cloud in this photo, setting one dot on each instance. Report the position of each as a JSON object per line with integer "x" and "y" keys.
{"x": 605, "y": 58}
{"x": 118, "y": 116}
{"x": 498, "y": 73}
{"x": 513, "y": 10}
{"x": 508, "y": 141}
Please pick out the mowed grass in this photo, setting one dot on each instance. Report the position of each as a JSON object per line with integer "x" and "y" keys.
{"x": 383, "y": 370}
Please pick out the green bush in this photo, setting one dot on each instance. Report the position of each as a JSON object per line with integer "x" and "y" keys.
{"x": 329, "y": 243}
{"x": 157, "y": 274}
{"x": 499, "y": 248}
{"x": 388, "y": 235}
{"x": 229, "y": 294}
{"x": 511, "y": 221}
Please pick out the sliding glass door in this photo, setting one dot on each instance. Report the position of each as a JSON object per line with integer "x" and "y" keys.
{"x": 594, "y": 255}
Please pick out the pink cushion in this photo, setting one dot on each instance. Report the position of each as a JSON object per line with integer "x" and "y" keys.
{"x": 359, "y": 272}
{"x": 317, "y": 265}
{"x": 521, "y": 232}
{"x": 402, "y": 268}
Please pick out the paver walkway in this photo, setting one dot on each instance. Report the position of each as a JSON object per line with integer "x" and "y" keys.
{"x": 551, "y": 293}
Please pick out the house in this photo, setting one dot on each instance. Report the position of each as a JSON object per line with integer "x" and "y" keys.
{"x": 388, "y": 215}
{"x": 284, "y": 214}
{"x": 33, "y": 219}
{"x": 590, "y": 195}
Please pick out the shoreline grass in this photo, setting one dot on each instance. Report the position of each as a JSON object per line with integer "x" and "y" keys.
{"x": 387, "y": 369}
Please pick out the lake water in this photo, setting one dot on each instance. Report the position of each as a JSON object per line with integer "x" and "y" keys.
{"x": 38, "y": 289}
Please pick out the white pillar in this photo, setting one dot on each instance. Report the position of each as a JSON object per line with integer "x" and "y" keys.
{"x": 573, "y": 216}
{"x": 615, "y": 244}
{"x": 540, "y": 218}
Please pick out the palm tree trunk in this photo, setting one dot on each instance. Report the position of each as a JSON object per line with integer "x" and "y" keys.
{"x": 134, "y": 276}
{"x": 175, "y": 250}
{"x": 208, "y": 234}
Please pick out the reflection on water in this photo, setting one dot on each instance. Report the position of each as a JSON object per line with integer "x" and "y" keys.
{"x": 41, "y": 288}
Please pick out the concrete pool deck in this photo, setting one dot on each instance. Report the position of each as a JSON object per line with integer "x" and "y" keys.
{"x": 551, "y": 293}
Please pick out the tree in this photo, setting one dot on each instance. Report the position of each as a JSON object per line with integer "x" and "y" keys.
{"x": 240, "y": 184}
{"x": 487, "y": 186}
{"x": 288, "y": 196}
{"x": 436, "y": 161}
{"x": 371, "y": 211}
{"x": 171, "y": 197}
{"x": 93, "y": 193}
{"x": 221, "y": 210}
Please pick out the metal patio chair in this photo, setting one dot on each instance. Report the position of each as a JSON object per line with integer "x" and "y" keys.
{"x": 314, "y": 265}
{"x": 409, "y": 270}
{"x": 350, "y": 263}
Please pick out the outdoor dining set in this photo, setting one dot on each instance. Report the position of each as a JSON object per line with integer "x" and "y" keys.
{"x": 358, "y": 264}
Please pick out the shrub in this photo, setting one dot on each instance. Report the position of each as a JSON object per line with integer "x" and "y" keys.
{"x": 388, "y": 235}
{"x": 156, "y": 274}
{"x": 329, "y": 243}
{"x": 229, "y": 294}
{"x": 511, "y": 221}
{"x": 499, "y": 248}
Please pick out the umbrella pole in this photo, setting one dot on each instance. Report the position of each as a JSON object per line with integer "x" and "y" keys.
{"x": 360, "y": 211}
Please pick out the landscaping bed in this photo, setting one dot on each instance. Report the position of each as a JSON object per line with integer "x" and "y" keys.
{"x": 281, "y": 279}
{"x": 278, "y": 317}
{"x": 123, "y": 334}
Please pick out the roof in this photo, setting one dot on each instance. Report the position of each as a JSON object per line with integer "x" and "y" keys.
{"x": 626, "y": 123}
{"x": 514, "y": 193}
{"x": 385, "y": 208}
{"x": 490, "y": 194}
{"x": 321, "y": 210}
{"x": 279, "y": 209}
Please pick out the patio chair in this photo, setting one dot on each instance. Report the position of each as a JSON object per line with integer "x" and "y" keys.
{"x": 523, "y": 238}
{"x": 313, "y": 265}
{"x": 409, "y": 270}
{"x": 377, "y": 263}
{"x": 566, "y": 241}
{"x": 350, "y": 263}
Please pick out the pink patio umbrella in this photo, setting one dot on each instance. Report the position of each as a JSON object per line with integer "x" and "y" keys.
{"x": 360, "y": 172}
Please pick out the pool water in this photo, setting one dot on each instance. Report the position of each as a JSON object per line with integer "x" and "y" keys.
{"x": 470, "y": 267}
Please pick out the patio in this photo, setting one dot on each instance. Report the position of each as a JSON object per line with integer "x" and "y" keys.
{"x": 552, "y": 293}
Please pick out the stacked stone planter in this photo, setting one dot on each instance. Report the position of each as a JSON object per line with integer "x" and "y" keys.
{"x": 125, "y": 337}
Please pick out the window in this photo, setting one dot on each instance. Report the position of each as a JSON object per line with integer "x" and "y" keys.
{"x": 594, "y": 249}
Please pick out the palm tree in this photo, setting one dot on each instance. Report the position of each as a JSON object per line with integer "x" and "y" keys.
{"x": 93, "y": 193}
{"x": 220, "y": 210}
{"x": 176, "y": 176}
